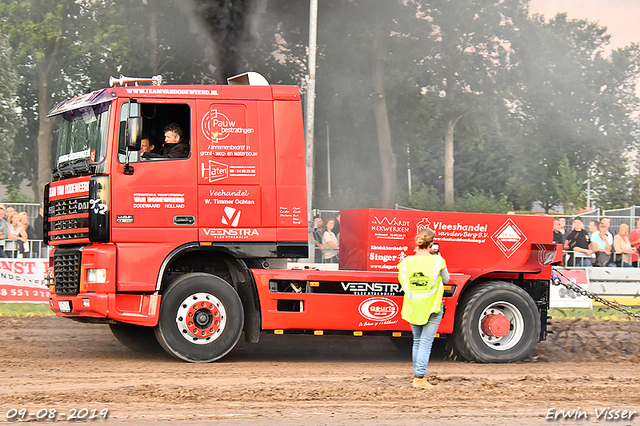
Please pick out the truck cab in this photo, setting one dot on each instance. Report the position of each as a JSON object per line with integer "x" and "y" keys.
{"x": 125, "y": 227}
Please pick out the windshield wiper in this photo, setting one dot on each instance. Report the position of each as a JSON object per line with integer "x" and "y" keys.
{"x": 62, "y": 170}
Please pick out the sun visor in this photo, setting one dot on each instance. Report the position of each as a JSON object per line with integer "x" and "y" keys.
{"x": 87, "y": 100}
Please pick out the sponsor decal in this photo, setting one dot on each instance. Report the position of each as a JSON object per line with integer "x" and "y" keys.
{"x": 291, "y": 215}
{"x": 391, "y": 225}
{"x": 423, "y": 224}
{"x": 145, "y": 200}
{"x": 456, "y": 232}
{"x": 231, "y": 233}
{"x": 75, "y": 155}
{"x": 390, "y": 229}
{"x": 69, "y": 189}
{"x": 98, "y": 207}
{"x": 124, "y": 218}
{"x": 216, "y": 126}
{"x": 231, "y": 216}
{"x": 378, "y": 309}
{"x": 509, "y": 238}
{"x": 214, "y": 171}
{"x": 372, "y": 289}
{"x": 236, "y": 197}
{"x": 164, "y": 91}
{"x": 545, "y": 257}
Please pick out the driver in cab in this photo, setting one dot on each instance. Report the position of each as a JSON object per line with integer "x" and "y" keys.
{"x": 174, "y": 146}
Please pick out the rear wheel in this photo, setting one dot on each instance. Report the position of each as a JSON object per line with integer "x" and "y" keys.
{"x": 201, "y": 318}
{"x": 136, "y": 337}
{"x": 497, "y": 322}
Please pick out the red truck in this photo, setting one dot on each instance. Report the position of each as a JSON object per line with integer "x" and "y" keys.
{"x": 188, "y": 253}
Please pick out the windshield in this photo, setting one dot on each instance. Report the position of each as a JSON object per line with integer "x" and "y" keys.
{"x": 82, "y": 137}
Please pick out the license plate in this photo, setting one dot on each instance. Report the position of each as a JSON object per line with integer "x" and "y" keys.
{"x": 64, "y": 305}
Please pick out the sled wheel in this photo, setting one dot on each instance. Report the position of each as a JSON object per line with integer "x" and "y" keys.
{"x": 201, "y": 318}
{"x": 497, "y": 322}
{"x": 136, "y": 337}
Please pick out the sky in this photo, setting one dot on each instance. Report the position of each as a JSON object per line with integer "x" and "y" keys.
{"x": 621, "y": 17}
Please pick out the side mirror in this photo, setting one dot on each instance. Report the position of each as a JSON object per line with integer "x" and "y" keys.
{"x": 134, "y": 133}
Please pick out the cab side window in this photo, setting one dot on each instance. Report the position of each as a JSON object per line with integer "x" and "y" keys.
{"x": 166, "y": 130}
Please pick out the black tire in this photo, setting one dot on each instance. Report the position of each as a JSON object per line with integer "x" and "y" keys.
{"x": 137, "y": 338}
{"x": 206, "y": 299}
{"x": 501, "y": 298}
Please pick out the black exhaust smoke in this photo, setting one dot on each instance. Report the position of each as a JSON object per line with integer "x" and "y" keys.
{"x": 225, "y": 21}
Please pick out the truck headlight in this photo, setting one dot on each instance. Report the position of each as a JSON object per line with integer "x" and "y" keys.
{"x": 95, "y": 276}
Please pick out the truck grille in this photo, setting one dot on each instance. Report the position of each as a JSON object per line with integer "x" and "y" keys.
{"x": 70, "y": 206}
{"x": 66, "y": 267}
{"x": 62, "y": 227}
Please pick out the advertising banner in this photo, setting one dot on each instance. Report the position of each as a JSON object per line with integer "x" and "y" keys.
{"x": 562, "y": 297}
{"x": 22, "y": 280}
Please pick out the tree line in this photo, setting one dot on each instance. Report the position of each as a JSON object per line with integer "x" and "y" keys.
{"x": 469, "y": 105}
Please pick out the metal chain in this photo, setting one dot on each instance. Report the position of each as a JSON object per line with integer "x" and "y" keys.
{"x": 576, "y": 288}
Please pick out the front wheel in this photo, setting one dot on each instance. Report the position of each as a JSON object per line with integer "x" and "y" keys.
{"x": 201, "y": 318}
{"x": 497, "y": 322}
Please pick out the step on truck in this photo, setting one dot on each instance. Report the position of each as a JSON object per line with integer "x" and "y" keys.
{"x": 185, "y": 254}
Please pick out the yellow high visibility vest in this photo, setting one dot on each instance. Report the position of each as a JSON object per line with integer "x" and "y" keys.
{"x": 422, "y": 284}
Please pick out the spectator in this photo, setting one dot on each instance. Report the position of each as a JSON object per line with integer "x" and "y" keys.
{"x": 318, "y": 231}
{"x": 607, "y": 222}
{"x": 622, "y": 245}
{"x": 336, "y": 230}
{"x": 16, "y": 237}
{"x": 31, "y": 235}
{"x": 3, "y": 230}
{"x": 593, "y": 227}
{"x": 558, "y": 232}
{"x": 37, "y": 245}
{"x": 634, "y": 240}
{"x": 578, "y": 240}
{"x": 38, "y": 223}
{"x": 330, "y": 243}
{"x": 24, "y": 222}
{"x": 601, "y": 247}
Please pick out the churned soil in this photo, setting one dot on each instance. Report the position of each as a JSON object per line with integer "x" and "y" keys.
{"x": 55, "y": 363}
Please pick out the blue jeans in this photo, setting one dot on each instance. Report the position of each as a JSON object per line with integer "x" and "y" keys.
{"x": 423, "y": 336}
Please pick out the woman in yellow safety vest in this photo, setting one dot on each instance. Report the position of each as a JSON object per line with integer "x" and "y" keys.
{"x": 422, "y": 277}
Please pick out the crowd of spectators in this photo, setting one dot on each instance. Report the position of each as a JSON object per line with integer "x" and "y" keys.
{"x": 18, "y": 237}
{"x": 598, "y": 246}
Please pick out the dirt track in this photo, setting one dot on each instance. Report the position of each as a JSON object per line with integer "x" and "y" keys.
{"x": 55, "y": 363}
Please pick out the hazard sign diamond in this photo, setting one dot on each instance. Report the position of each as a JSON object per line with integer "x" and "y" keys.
{"x": 509, "y": 238}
